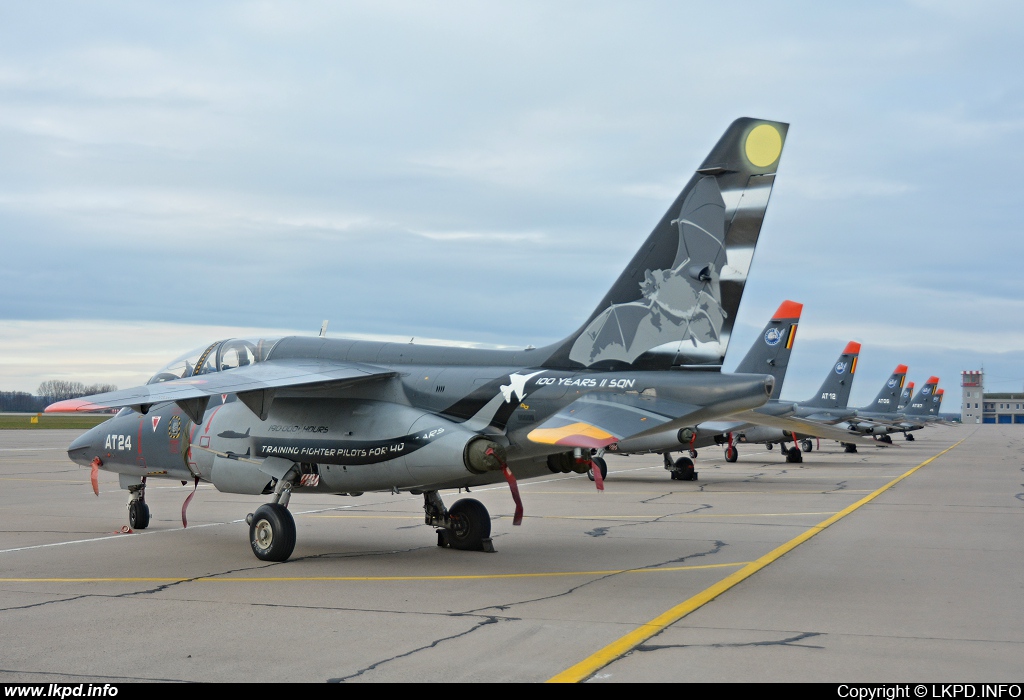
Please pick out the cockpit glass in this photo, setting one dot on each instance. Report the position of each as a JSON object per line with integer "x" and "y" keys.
{"x": 218, "y": 357}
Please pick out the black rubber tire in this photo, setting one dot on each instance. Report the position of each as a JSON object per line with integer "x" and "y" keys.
{"x": 138, "y": 515}
{"x": 693, "y": 454}
{"x": 731, "y": 454}
{"x": 794, "y": 456}
{"x": 769, "y": 446}
{"x": 807, "y": 445}
{"x": 272, "y": 532}
{"x": 887, "y": 439}
{"x": 909, "y": 437}
{"x": 682, "y": 469}
{"x": 474, "y": 525}
{"x": 850, "y": 447}
{"x": 599, "y": 461}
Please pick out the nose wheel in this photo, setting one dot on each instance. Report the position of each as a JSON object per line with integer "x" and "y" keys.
{"x": 138, "y": 515}
{"x": 138, "y": 511}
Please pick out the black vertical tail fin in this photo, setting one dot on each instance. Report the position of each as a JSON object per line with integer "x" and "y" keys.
{"x": 908, "y": 393}
{"x": 835, "y": 390}
{"x": 676, "y": 301}
{"x": 925, "y": 402}
{"x": 771, "y": 351}
{"x": 888, "y": 399}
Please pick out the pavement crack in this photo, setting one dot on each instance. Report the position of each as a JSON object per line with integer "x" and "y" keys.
{"x": 602, "y": 531}
{"x": 715, "y": 549}
{"x": 787, "y": 642}
{"x": 491, "y": 620}
{"x": 48, "y": 602}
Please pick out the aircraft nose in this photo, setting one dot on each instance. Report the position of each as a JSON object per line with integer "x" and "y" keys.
{"x": 81, "y": 449}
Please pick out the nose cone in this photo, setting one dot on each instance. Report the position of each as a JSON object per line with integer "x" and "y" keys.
{"x": 82, "y": 450}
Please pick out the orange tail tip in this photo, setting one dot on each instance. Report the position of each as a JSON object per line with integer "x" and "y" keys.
{"x": 933, "y": 380}
{"x": 901, "y": 369}
{"x": 788, "y": 309}
{"x": 852, "y": 348}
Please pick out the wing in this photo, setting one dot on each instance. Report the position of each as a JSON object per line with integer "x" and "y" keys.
{"x": 255, "y": 385}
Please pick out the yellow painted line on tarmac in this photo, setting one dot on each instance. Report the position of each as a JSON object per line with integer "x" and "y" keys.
{"x": 292, "y": 579}
{"x": 592, "y": 664}
{"x": 663, "y": 518}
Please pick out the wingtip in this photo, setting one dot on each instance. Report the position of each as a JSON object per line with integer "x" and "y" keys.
{"x": 73, "y": 406}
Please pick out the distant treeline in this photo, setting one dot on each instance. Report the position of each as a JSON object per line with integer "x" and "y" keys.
{"x": 49, "y": 391}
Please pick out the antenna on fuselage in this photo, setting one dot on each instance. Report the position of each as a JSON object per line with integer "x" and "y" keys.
{"x": 323, "y": 329}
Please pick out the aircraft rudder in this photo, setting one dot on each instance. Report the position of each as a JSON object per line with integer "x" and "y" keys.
{"x": 772, "y": 349}
{"x": 835, "y": 390}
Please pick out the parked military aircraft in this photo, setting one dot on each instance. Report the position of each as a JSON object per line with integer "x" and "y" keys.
{"x": 878, "y": 417}
{"x": 821, "y": 412}
{"x": 920, "y": 410}
{"x": 908, "y": 393}
{"x": 274, "y": 416}
{"x": 777, "y": 421}
{"x": 768, "y": 355}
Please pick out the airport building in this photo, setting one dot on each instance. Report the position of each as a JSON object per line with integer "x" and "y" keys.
{"x": 979, "y": 407}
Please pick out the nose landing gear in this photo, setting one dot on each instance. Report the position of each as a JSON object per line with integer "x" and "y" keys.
{"x": 138, "y": 511}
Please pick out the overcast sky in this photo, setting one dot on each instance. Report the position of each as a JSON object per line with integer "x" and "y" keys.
{"x": 482, "y": 172}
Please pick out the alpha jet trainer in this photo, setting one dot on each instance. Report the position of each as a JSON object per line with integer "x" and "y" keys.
{"x": 277, "y": 416}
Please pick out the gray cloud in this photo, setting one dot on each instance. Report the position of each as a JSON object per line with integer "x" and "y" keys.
{"x": 483, "y": 172}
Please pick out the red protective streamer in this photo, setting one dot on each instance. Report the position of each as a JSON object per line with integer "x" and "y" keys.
{"x": 184, "y": 506}
{"x": 94, "y": 477}
{"x": 598, "y": 477}
{"x": 517, "y": 519}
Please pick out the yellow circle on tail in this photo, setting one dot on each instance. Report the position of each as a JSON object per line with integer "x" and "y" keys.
{"x": 764, "y": 144}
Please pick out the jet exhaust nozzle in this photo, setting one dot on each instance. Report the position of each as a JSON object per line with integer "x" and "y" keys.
{"x": 483, "y": 455}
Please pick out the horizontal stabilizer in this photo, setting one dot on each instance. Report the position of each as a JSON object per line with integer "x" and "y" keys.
{"x": 805, "y": 428}
{"x": 597, "y": 421}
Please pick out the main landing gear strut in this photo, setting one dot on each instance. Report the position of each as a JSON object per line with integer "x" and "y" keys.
{"x": 681, "y": 469}
{"x": 466, "y": 525}
{"x": 793, "y": 454}
{"x": 272, "y": 527}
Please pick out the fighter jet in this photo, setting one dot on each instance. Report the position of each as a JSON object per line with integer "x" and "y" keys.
{"x": 769, "y": 355}
{"x": 922, "y": 409}
{"x": 878, "y": 417}
{"x": 775, "y": 422}
{"x": 819, "y": 413}
{"x": 277, "y": 416}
